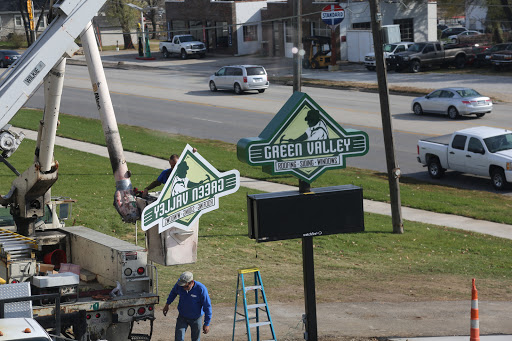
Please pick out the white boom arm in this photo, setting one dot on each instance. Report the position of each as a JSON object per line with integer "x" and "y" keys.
{"x": 57, "y": 40}
{"x": 45, "y": 59}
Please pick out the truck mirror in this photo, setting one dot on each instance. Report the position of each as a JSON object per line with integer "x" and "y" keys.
{"x": 64, "y": 211}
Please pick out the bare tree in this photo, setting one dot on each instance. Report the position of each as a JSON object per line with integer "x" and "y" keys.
{"x": 155, "y": 9}
{"x": 30, "y": 32}
{"x": 119, "y": 13}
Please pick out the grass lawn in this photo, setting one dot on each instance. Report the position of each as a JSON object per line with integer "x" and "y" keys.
{"x": 425, "y": 263}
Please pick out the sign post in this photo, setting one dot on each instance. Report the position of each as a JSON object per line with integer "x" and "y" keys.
{"x": 333, "y": 15}
{"x": 304, "y": 141}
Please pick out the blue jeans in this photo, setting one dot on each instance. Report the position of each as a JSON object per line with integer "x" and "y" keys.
{"x": 182, "y": 324}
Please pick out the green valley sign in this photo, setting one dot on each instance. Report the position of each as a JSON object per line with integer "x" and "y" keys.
{"x": 193, "y": 188}
{"x": 302, "y": 140}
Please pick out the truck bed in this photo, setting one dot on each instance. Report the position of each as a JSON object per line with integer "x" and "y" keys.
{"x": 90, "y": 304}
{"x": 443, "y": 139}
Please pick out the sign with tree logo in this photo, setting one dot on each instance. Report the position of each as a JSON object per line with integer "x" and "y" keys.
{"x": 302, "y": 140}
{"x": 193, "y": 188}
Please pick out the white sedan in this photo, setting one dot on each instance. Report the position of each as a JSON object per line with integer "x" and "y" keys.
{"x": 453, "y": 102}
{"x": 455, "y": 38}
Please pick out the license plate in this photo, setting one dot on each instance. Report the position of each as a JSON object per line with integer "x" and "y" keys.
{"x": 481, "y": 102}
{"x": 257, "y": 80}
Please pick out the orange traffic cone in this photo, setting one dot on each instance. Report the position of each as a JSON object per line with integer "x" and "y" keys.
{"x": 475, "y": 326}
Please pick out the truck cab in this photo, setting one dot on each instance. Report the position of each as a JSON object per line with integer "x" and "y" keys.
{"x": 484, "y": 151}
{"x": 184, "y": 45}
{"x": 26, "y": 329}
{"x": 389, "y": 49}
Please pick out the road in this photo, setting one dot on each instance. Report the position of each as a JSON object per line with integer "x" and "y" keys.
{"x": 178, "y": 101}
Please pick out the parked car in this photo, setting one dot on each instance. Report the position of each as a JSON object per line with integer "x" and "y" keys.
{"x": 389, "y": 49}
{"x": 451, "y": 31}
{"x": 453, "y": 102}
{"x": 240, "y": 78}
{"x": 7, "y": 57}
{"x": 501, "y": 59}
{"x": 441, "y": 27}
{"x": 184, "y": 45}
{"x": 475, "y": 50}
{"x": 427, "y": 54}
{"x": 484, "y": 151}
{"x": 484, "y": 58}
{"x": 456, "y": 37}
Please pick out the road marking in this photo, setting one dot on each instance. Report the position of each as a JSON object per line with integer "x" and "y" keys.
{"x": 205, "y": 119}
{"x": 178, "y": 101}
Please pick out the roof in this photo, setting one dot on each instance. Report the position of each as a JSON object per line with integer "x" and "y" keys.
{"x": 484, "y": 132}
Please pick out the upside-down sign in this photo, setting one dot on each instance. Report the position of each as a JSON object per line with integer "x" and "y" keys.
{"x": 193, "y": 188}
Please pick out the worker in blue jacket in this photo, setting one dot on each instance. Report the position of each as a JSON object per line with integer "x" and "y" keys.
{"x": 194, "y": 302}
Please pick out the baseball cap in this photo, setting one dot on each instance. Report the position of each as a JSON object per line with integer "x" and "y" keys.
{"x": 185, "y": 278}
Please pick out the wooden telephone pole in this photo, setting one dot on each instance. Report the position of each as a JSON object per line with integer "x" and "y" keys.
{"x": 387, "y": 129}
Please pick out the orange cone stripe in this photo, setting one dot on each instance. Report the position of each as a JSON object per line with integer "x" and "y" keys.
{"x": 475, "y": 324}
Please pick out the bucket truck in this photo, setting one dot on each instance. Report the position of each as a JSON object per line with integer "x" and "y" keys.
{"x": 121, "y": 287}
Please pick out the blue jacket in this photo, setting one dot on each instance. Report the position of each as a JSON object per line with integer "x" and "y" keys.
{"x": 162, "y": 178}
{"x": 192, "y": 304}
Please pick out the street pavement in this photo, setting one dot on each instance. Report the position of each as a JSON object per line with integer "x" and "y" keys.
{"x": 495, "y": 84}
{"x": 366, "y": 319}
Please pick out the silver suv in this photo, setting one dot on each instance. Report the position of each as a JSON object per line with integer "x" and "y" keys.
{"x": 240, "y": 78}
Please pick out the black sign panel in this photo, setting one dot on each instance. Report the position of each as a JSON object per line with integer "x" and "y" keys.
{"x": 288, "y": 215}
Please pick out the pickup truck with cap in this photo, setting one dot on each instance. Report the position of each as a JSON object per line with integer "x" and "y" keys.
{"x": 427, "y": 54}
{"x": 183, "y": 45}
{"x": 484, "y": 151}
{"x": 389, "y": 49}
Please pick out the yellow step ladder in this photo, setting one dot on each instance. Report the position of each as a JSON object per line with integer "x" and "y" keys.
{"x": 255, "y": 304}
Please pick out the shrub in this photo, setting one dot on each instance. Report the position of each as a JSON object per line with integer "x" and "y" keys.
{"x": 16, "y": 40}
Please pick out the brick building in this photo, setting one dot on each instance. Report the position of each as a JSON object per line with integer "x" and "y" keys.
{"x": 252, "y": 26}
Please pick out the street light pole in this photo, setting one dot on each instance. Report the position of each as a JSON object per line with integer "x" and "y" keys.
{"x": 142, "y": 26}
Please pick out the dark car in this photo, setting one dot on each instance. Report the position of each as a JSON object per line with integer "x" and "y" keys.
{"x": 7, "y": 57}
{"x": 451, "y": 31}
{"x": 501, "y": 59}
{"x": 484, "y": 58}
{"x": 475, "y": 50}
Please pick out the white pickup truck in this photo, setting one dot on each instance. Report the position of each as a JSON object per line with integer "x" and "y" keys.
{"x": 484, "y": 151}
{"x": 183, "y": 45}
{"x": 389, "y": 49}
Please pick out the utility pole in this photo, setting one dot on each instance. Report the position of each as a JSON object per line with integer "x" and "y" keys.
{"x": 387, "y": 129}
{"x": 297, "y": 52}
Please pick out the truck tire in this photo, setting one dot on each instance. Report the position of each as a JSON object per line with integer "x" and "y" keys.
{"x": 238, "y": 89}
{"x": 435, "y": 170}
{"x": 415, "y": 66}
{"x": 453, "y": 113}
{"x": 165, "y": 53}
{"x": 314, "y": 64}
{"x": 183, "y": 54}
{"x": 371, "y": 68}
{"x": 418, "y": 110}
{"x": 460, "y": 62}
{"x": 499, "y": 181}
{"x": 213, "y": 87}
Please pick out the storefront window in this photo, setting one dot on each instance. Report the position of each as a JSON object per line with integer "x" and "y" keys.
{"x": 251, "y": 33}
{"x": 222, "y": 33}
{"x": 178, "y": 27}
{"x": 196, "y": 29}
